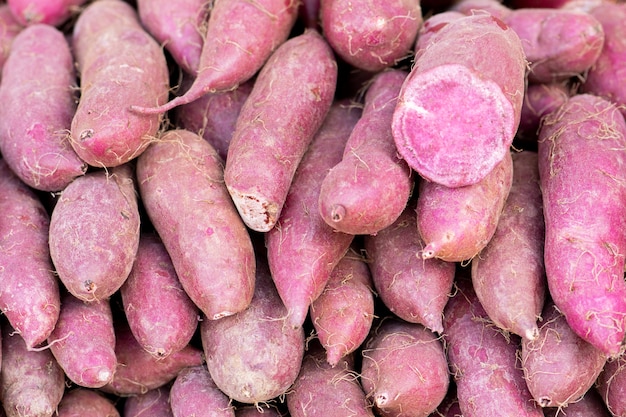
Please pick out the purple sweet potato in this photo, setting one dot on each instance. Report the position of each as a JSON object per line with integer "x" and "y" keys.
{"x": 83, "y": 341}
{"x": 606, "y": 77}
{"x": 539, "y": 100}
{"x": 49, "y": 12}
{"x": 214, "y": 116}
{"x": 582, "y": 161}
{"x": 457, "y": 223}
{"x": 368, "y": 190}
{"x": 119, "y": 63}
{"x": 454, "y": 79}
{"x": 273, "y": 133}
{"x": 325, "y": 390}
{"x": 483, "y": 360}
{"x": 342, "y": 315}
{"x": 302, "y": 249}
{"x": 138, "y": 371}
{"x": 82, "y": 402}
{"x": 31, "y": 381}
{"x": 94, "y": 232}
{"x": 369, "y": 35}
{"x": 611, "y": 385}
{"x": 433, "y": 24}
{"x": 179, "y": 26}
{"x": 225, "y": 284}
{"x": 558, "y": 43}
{"x": 151, "y": 289}
{"x": 35, "y": 143}
{"x": 559, "y": 366}
{"x": 254, "y": 355}
{"x": 414, "y": 289}
{"x": 404, "y": 370}
{"x": 257, "y": 411}
{"x": 508, "y": 275}
{"x": 589, "y": 405}
{"x": 493, "y": 7}
{"x": 9, "y": 28}
{"x": 152, "y": 403}
{"x": 241, "y": 35}
{"x": 29, "y": 290}
{"x": 194, "y": 393}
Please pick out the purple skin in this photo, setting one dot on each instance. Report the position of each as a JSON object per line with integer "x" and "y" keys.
{"x": 540, "y": 100}
{"x": 194, "y": 393}
{"x": 9, "y": 28}
{"x": 483, "y": 360}
{"x": 369, "y": 35}
{"x": 370, "y": 187}
{"x": 179, "y": 26}
{"x": 225, "y": 285}
{"x": 404, "y": 369}
{"x": 273, "y": 133}
{"x": 34, "y": 143}
{"x": 83, "y": 341}
{"x": 81, "y": 402}
{"x": 508, "y": 275}
{"x": 414, "y": 289}
{"x": 325, "y": 390}
{"x": 94, "y": 233}
{"x": 611, "y": 385}
{"x": 589, "y": 405}
{"x": 343, "y": 314}
{"x": 29, "y": 290}
{"x": 151, "y": 288}
{"x": 53, "y": 13}
{"x": 153, "y": 403}
{"x": 584, "y": 252}
{"x": 31, "y": 381}
{"x": 302, "y": 249}
{"x": 232, "y": 53}
{"x": 118, "y": 63}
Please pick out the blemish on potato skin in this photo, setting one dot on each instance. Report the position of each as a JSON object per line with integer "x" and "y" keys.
{"x": 86, "y": 134}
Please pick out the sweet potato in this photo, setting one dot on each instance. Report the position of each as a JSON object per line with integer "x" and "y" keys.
{"x": 559, "y": 366}
{"x": 254, "y": 355}
{"x": 558, "y": 43}
{"x": 83, "y": 341}
{"x": 29, "y": 290}
{"x": 611, "y": 385}
{"x": 151, "y": 288}
{"x": 325, "y": 390}
{"x": 508, "y": 275}
{"x": 138, "y": 371}
{"x": 257, "y": 411}
{"x": 585, "y": 139}
{"x": 412, "y": 288}
{"x": 224, "y": 285}
{"x": 605, "y": 77}
{"x": 179, "y": 26}
{"x": 493, "y": 7}
{"x": 94, "y": 233}
{"x": 9, "y": 28}
{"x": 342, "y": 315}
{"x": 404, "y": 371}
{"x": 152, "y": 403}
{"x": 539, "y": 100}
{"x": 31, "y": 381}
{"x": 241, "y": 35}
{"x": 590, "y": 405}
{"x": 433, "y": 24}
{"x": 118, "y": 63}
{"x": 272, "y": 133}
{"x": 483, "y": 360}
{"x": 457, "y": 67}
{"x": 457, "y": 223}
{"x": 213, "y": 116}
{"x": 49, "y": 12}
{"x": 35, "y": 143}
{"x": 194, "y": 393}
{"x": 369, "y": 188}
{"x": 302, "y": 249}
{"x": 368, "y": 35}
{"x": 82, "y": 402}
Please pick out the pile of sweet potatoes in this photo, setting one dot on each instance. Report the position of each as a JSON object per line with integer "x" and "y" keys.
{"x": 312, "y": 208}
